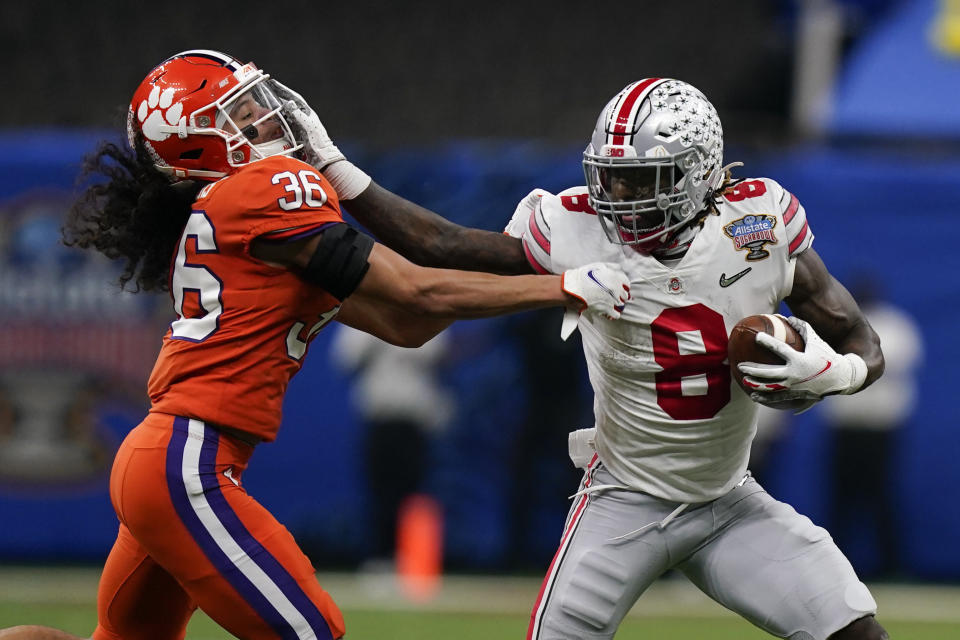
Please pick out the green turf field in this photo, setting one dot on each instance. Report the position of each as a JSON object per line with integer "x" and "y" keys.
{"x": 472, "y": 609}
{"x": 426, "y": 625}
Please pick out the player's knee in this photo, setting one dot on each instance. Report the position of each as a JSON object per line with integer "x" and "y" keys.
{"x": 594, "y": 597}
{"x": 866, "y": 628}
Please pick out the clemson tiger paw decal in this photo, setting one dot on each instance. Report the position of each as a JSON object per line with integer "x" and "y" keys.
{"x": 156, "y": 111}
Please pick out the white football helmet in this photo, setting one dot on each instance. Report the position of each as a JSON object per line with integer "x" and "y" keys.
{"x": 654, "y": 159}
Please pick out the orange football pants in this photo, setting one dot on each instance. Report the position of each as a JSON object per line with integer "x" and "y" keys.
{"x": 191, "y": 536}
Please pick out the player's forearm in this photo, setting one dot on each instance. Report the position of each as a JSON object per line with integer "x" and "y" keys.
{"x": 393, "y": 323}
{"x": 452, "y": 294}
{"x": 821, "y": 300}
{"x": 428, "y": 239}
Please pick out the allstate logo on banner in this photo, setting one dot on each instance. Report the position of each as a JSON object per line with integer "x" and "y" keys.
{"x": 75, "y": 352}
{"x": 750, "y": 233}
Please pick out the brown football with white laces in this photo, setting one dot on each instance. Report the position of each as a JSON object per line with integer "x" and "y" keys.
{"x": 743, "y": 347}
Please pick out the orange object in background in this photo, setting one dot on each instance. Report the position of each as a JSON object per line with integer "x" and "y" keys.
{"x": 419, "y": 547}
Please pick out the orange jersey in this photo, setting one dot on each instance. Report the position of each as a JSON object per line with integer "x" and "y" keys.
{"x": 243, "y": 325}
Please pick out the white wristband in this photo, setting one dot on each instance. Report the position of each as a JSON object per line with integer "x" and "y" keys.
{"x": 347, "y": 179}
{"x": 858, "y": 375}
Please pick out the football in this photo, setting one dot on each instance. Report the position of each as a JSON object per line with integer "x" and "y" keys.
{"x": 743, "y": 347}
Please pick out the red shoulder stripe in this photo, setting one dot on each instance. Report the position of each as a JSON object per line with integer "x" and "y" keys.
{"x": 796, "y": 242}
{"x": 537, "y": 234}
{"x": 791, "y": 209}
{"x": 533, "y": 261}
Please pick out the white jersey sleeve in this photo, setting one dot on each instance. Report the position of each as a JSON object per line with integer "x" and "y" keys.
{"x": 536, "y": 238}
{"x": 562, "y": 232}
{"x": 797, "y": 229}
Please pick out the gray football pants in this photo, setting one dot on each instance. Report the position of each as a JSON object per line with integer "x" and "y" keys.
{"x": 752, "y": 554}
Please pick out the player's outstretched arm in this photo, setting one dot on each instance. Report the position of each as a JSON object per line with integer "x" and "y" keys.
{"x": 431, "y": 240}
{"x": 406, "y": 304}
{"x": 415, "y": 232}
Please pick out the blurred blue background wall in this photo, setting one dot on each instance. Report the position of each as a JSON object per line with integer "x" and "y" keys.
{"x": 893, "y": 213}
{"x": 873, "y": 159}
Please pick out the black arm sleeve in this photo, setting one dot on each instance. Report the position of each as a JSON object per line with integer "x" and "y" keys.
{"x": 340, "y": 261}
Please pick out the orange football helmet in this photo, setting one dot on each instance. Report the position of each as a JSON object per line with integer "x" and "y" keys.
{"x": 202, "y": 114}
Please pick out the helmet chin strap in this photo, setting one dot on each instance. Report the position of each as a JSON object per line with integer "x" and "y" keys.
{"x": 272, "y": 148}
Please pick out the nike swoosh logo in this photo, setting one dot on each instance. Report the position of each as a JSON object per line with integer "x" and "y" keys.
{"x": 603, "y": 286}
{"x": 228, "y": 473}
{"x": 824, "y": 370}
{"x": 726, "y": 282}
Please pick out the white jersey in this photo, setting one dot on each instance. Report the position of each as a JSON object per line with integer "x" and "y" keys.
{"x": 670, "y": 420}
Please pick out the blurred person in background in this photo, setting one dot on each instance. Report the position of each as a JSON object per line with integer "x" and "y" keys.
{"x": 867, "y": 426}
{"x": 209, "y": 203}
{"x": 666, "y": 484}
{"x": 398, "y": 394}
{"x": 556, "y": 396}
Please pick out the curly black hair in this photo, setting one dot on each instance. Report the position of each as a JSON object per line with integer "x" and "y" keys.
{"x": 136, "y": 215}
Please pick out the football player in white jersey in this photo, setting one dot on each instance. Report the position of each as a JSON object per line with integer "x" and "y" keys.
{"x": 666, "y": 484}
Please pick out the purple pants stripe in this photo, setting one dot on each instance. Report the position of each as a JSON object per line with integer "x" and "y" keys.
{"x": 240, "y": 535}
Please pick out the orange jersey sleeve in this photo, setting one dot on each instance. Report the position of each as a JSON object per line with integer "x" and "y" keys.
{"x": 242, "y": 326}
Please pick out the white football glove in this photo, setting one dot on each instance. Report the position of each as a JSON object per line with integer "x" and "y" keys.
{"x": 795, "y": 401}
{"x": 815, "y": 372}
{"x": 521, "y": 216}
{"x": 600, "y": 287}
{"x": 317, "y": 145}
{"x": 348, "y": 180}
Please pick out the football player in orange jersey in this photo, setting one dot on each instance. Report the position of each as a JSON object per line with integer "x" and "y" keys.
{"x": 212, "y": 204}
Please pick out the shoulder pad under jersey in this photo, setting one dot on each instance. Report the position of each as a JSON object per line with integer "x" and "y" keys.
{"x": 568, "y": 233}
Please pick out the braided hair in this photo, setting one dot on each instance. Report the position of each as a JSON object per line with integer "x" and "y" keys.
{"x": 727, "y": 184}
{"x": 712, "y": 200}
